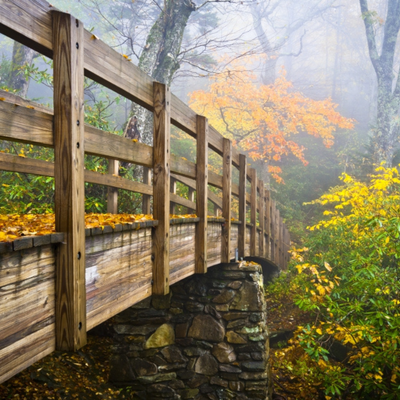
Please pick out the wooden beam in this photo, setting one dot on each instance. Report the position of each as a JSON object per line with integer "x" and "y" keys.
{"x": 161, "y": 190}
{"x": 277, "y": 215}
{"x": 146, "y": 198}
{"x": 280, "y": 242}
{"x": 201, "y": 195}
{"x": 273, "y": 229}
{"x": 69, "y": 181}
{"x": 172, "y": 207}
{"x": 191, "y": 198}
{"x": 261, "y": 216}
{"x": 253, "y": 212}
{"x": 268, "y": 223}
{"x": 226, "y": 201}
{"x": 242, "y": 204}
{"x": 112, "y": 192}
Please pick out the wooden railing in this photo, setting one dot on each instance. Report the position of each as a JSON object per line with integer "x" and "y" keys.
{"x": 76, "y": 54}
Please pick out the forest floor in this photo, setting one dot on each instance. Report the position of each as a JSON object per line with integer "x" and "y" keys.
{"x": 65, "y": 376}
{"x": 283, "y": 319}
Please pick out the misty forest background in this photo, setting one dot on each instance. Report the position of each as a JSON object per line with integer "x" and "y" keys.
{"x": 309, "y": 90}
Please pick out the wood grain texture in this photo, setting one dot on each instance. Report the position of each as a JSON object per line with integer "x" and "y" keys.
{"x": 201, "y": 195}
{"x": 69, "y": 181}
{"x": 182, "y": 251}
{"x": 112, "y": 192}
{"x": 261, "y": 203}
{"x": 192, "y": 184}
{"x": 226, "y": 200}
{"x": 214, "y": 235}
{"x": 161, "y": 190}
{"x": 146, "y": 198}
{"x": 27, "y": 308}
{"x": 247, "y": 245}
{"x": 118, "y": 273}
{"x": 253, "y": 212}
{"x": 268, "y": 223}
{"x": 234, "y": 241}
{"x": 173, "y": 192}
{"x": 242, "y": 204}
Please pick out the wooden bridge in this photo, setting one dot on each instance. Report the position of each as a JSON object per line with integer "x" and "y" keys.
{"x": 54, "y": 288}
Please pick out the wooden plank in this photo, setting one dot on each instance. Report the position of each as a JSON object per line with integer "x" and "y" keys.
{"x": 112, "y": 192}
{"x": 201, "y": 195}
{"x": 261, "y": 217}
{"x": 176, "y": 199}
{"x": 268, "y": 223}
{"x": 109, "y": 145}
{"x": 253, "y": 212}
{"x": 25, "y": 125}
{"x": 118, "y": 182}
{"x": 273, "y": 229}
{"x": 69, "y": 181}
{"x": 173, "y": 192}
{"x": 191, "y": 198}
{"x": 242, "y": 204}
{"x": 161, "y": 181}
{"x": 280, "y": 243}
{"x": 182, "y": 256}
{"x": 214, "y": 240}
{"x": 192, "y": 184}
{"x": 118, "y": 272}
{"x": 226, "y": 201}
{"x": 146, "y": 198}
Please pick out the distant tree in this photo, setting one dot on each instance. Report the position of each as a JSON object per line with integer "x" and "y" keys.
{"x": 263, "y": 119}
{"x": 275, "y": 23}
{"x": 382, "y": 48}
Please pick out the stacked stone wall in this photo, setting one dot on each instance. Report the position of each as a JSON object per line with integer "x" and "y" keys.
{"x": 206, "y": 340}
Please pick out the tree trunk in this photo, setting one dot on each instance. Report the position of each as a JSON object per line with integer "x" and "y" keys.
{"x": 159, "y": 56}
{"x": 386, "y": 131}
{"x": 21, "y": 56}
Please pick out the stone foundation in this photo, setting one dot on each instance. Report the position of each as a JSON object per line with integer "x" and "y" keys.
{"x": 206, "y": 340}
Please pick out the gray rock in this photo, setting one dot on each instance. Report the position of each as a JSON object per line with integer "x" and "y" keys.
{"x": 143, "y": 367}
{"x": 255, "y": 366}
{"x": 236, "y": 386}
{"x": 235, "y": 285}
{"x": 224, "y": 297}
{"x": 215, "y": 380}
{"x": 206, "y": 365}
{"x": 248, "y": 298}
{"x": 194, "y": 306}
{"x": 157, "y": 378}
{"x": 205, "y": 327}
{"x": 229, "y": 368}
{"x": 224, "y": 352}
{"x": 173, "y": 355}
{"x": 233, "y": 337}
{"x": 198, "y": 380}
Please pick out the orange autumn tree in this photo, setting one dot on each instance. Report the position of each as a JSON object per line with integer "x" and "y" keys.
{"x": 263, "y": 119}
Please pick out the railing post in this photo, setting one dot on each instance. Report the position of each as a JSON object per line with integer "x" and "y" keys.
{"x": 172, "y": 205}
{"x": 69, "y": 181}
{"x": 268, "y": 222}
{"x": 161, "y": 191}
{"x": 242, "y": 204}
{"x": 261, "y": 217}
{"x": 146, "y": 197}
{"x": 277, "y": 235}
{"x": 253, "y": 212}
{"x": 273, "y": 230}
{"x": 201, "y": 194}
{"x": 226, "y": 200}
{"x": 112, "y": 193}
{"x": 281, "y": 247}
{"x": 191, "y": 198}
